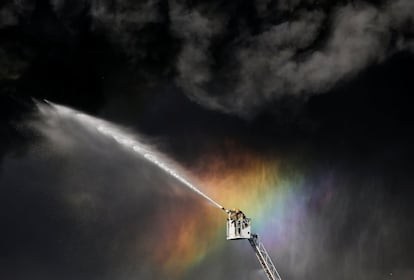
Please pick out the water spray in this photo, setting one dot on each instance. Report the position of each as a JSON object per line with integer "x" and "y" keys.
{"x": 130, "y": 142}
{"x": 238, "y": 225}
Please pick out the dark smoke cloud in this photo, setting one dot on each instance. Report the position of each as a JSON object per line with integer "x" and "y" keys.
{"x": 123, "y": 20}
{"x": 194, "y": 61}
{"x": 233, "y": 57}
{"x": 290, "y": 58}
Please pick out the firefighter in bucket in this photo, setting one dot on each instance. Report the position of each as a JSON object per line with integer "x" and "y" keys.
{"x": 238, "y": 226}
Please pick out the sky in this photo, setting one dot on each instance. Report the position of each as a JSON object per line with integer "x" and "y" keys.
{"x": 298, "y": 112}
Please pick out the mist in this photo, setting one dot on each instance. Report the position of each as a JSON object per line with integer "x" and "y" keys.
{"x": 80, "y": 204}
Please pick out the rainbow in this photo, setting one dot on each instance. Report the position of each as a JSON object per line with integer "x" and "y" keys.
{"x": 240, "y": 179}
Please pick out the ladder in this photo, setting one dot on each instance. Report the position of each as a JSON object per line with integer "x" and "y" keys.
{"x": 264, "y": 258}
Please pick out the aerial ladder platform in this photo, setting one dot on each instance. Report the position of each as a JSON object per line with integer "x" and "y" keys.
{"x": 239, "y": 227}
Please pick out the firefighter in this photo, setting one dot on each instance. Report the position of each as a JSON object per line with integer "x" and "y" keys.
{"x": 240, "y": 215}
{"x": 237, "y": 214}
{"x": 233, "y": 214}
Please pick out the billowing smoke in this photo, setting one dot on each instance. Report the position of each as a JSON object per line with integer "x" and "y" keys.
{"x": 307, "y": 53}
{"x": 232, "y": 57}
